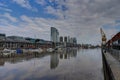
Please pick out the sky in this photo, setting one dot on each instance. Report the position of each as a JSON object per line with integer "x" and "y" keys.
{"x": 76, "y": 18}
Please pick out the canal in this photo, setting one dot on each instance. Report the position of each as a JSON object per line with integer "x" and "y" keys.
{"x": 71, "y": 64}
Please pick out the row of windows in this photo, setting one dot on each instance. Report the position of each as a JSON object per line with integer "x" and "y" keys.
{"x": 21, "y": 45}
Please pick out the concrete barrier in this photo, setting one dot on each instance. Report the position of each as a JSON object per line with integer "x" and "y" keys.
{"x": 111, "y": 66}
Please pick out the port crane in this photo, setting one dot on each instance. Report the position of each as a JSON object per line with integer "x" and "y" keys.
{"x": 103, "y": 36}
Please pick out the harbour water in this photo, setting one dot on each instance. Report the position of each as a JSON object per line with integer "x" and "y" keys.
{"x": 72, "y": 64}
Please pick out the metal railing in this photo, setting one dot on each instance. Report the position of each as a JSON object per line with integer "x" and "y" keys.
{"x": 115, "y": 53}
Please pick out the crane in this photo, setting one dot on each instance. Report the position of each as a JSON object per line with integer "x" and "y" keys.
{"x": 103, "y": 36}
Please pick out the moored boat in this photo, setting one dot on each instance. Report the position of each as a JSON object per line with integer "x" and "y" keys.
{"x": 6, "y": 51}
{"x": 50, "y": 50}
{"x": 39, "y": 50}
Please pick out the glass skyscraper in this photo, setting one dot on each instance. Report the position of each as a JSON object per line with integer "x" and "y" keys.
{"x": 54, "y": 35}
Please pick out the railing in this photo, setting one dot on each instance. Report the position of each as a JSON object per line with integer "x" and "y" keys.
{"x": 115, "y": 53}
{"x": 111, "y": 64}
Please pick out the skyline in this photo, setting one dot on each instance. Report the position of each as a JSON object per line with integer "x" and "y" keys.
{"x": 76, "y": 18}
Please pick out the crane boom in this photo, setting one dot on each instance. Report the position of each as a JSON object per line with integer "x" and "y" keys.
{"x": 103, "y": 36}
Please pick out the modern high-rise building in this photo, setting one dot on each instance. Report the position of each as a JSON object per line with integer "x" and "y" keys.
{"x": 71, "y": 40}
{"x": 68, "y": 39}
{"x": 61, "y": 39}
{"x": 74, "y": 40}
{"x": 54, "y": 35}
{"x": 65, "y": 39}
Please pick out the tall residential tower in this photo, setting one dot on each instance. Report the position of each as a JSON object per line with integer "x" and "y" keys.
{"x": 54, "y": 35}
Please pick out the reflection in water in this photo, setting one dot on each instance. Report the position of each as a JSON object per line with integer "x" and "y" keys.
{"x": 70, "y": 64}
{"x": 66, "y": 54}
{"x": 54, "y": 61}
{"x": 16, "y": 60}
{"x": 2, "y": 62}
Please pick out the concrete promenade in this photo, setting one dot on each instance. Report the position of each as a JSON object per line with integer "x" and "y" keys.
{"x": 111, "y": 66}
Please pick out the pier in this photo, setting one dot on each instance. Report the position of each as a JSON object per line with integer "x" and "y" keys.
{"x": 111, "y": 58}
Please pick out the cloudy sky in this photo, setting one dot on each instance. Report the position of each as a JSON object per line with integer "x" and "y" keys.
{"x": 75, "y": 18}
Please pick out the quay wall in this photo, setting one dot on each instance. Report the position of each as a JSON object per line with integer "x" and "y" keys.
{"x": 111, "y": 66}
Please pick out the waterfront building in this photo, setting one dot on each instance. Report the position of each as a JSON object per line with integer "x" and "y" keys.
{"x": 65, "y": 39}
{"x": 54, "y": 35}
{"x": 14, "y": 42}
{"x": 71, "y": 40}
{"x": 61, "y": 39}
{"x": 31, "y": 40}
{"x": 17, "y": 38}
{"x": 74, "y": 40}
{"x": 68, "y": 39}
{"x": 2, "y": 37}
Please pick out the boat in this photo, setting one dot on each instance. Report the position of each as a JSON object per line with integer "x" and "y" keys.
{"x": 39, "y": 50}
{"x": 7, "y": 52}
{"x": 25, "y": 50}
{"x": 59, "y": 49}
{"x": 50, "y": 50}
{"x": 19, "y": 51}
{"x": 13, "y": 51}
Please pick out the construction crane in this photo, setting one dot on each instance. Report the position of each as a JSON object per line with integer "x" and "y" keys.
{"x": 103, "y": 36}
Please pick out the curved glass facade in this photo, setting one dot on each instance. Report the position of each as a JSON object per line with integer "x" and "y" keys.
{"x": 54, "y": 35}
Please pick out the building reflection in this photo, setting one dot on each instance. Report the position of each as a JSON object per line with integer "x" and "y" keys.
{"x": 2, "y": 62}
{"x": 66, "y": 54}
{"x": 21, "y": 58}
{"x": 54, "y": 60}
{"x": 54, "y": 57}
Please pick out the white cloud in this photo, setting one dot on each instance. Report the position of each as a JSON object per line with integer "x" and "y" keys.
{"x": 81, "y": 18}
{"x": 84, "y": 17}
{"x": 3, "y": 5}
{"x": 54, "y": 7}
{"x": 9, "y": 17}
{"x": 41, "y": 2}
{"x": 25, "y": 4}
{"x": 5, "y": 9}
{"x": 57, "y": 12}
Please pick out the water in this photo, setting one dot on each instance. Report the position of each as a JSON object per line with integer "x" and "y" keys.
{"x": 68, "y": 65}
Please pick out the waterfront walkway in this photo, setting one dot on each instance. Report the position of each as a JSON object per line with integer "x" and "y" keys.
{"x": 111, "y": 65}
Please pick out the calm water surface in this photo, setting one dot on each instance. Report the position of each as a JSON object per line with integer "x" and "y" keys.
{"x": 69, "y": 65}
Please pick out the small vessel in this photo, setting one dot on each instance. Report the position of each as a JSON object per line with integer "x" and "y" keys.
{"x": 6, "y": 51}
{"x": 39, "y": 50}
{"x": 60, "y": 50}
{"x": 13, "y": 51}
{"x": 19, "y": 51}
{"x": 50, "y": 50}
{"x": 25, "y": 50}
